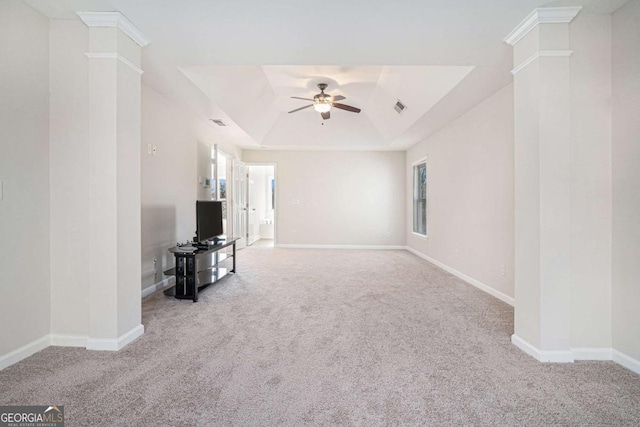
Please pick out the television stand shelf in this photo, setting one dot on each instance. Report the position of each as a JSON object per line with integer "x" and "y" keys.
{"x": 198, "y": 268}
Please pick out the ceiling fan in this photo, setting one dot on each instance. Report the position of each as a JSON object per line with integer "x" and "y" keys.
{"x": 322, "y": 103}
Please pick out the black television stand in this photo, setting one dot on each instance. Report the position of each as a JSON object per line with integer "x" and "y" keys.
{"x": 207, "y": 245}
{"x": 196, "y": 268}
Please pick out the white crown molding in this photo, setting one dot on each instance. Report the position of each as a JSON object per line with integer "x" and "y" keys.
{"x": 114, "y": 19}
{"x": 539, "y": 54}
{"x": 478, "y": 284}
{"x": 542, "y": 15}
{"x": 113, "y": 55}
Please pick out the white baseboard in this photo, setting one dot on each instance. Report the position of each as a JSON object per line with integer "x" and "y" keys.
{"x": 592, "y": 353}
{"x": 62, "y": 340}
{"x": 297, "y": 246}
{"x": 598, "y": 353}
{"x": 157, "y": 286}
{"x": 115, "y": 344}
{"x": 561, "y": 356}
{"x": 23, "y": 352}
{"x": 626, "y": 361}
{"x": 486, "y": 288}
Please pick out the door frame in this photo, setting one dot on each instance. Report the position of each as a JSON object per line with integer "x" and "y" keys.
{"x": 275, "y": 199}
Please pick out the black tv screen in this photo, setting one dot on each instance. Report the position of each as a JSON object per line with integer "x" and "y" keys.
{"x": 208, "y": 219}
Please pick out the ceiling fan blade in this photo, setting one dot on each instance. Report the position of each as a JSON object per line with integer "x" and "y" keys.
{"x": 305, "y": 99}
{"x": 326, "y": 116}
{"x": 346, "y": 107}
{"x": 301, "y": 108}
{"x": 338, "y": 98}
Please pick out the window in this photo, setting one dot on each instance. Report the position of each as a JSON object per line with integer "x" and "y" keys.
{"x": 271, "y": 191}
{"x": 219, "y": 167}
{"x": 420, "y": 197}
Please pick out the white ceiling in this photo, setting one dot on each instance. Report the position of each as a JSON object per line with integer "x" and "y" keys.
{"x": 258, "y": 98}
{"x": 241, "y": 60}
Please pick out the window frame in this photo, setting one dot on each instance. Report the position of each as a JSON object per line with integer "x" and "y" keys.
{"x": 419, "y": 162}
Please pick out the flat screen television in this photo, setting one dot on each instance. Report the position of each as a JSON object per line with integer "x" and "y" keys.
{"x": 208, "y": 220}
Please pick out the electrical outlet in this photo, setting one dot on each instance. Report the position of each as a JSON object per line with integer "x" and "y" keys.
{"x": 503, "y": 270}
{"x": 155, "y": 268}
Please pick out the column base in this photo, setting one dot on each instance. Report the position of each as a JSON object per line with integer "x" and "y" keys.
{"x": 115, "y": 344}
{"x": 553, "y": 356}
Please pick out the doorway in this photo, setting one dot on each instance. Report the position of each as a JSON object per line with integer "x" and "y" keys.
{"x": 261, "y": 205}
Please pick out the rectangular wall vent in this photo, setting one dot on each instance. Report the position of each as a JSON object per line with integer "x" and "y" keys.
{"x": 219, "y": 122}
{"x": 399, "y": 107}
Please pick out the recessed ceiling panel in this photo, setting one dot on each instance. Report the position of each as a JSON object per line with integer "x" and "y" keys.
{"x": 259, "y": 98}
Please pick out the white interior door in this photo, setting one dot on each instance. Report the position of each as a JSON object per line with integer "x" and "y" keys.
{"x": 253, "y": 226}
{"x": 240, "y": 203}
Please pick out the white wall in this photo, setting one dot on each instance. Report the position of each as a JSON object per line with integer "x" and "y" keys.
{"x": 170, "y": 185}
{"x": 626, "y": 179}
{"x": 69, "y": 176}
{"x": 469, "y": 193}
{"x": 345, "y": 198}
{"x": 24, "y": 171}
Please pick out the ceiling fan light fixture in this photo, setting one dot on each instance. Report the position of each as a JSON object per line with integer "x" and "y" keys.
{"x": 322, "y": 107}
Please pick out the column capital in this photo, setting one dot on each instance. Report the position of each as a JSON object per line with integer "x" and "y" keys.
{"x": 114, "y": 19}
{"x": 542, "y": 15}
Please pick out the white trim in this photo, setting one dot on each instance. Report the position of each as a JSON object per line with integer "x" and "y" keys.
{"x": 553, "y": 356}
{"x": 539, "y": 54}
{"x": 23, "y": 352}
{"x": 413, "y": 196}
{"x": 626, "y": 361}
{"x": 541, "y": 15}
{"x": 591, "y": 353}
{"x": 157, "y": 286}
{"x": 525, "y": 346}
{"x": 115, "y": 344}
{"x": 114, "y": 19}
{"x": 478, "y": 284}
{"x": 64, "y": 340}
{"x": 419, "y": 161}
{"x": 376, "y": 247}
{"x": 587, "y": 353}
{"x": 113, "y": 55}
{"x": 421, "y": 236}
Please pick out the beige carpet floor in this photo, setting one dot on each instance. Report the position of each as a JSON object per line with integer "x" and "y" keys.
{"x": 325, "y": 337}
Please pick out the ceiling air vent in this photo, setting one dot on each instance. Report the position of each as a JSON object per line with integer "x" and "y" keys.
{"x": 219, "y": 122}
{"x": 399, "y": 107}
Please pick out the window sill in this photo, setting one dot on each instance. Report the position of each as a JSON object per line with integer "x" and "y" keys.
{"x": 422, "y": 236}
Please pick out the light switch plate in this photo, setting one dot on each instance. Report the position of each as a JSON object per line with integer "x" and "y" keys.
{"x": 149, "y": 149}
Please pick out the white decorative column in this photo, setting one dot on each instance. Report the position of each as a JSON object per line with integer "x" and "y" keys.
{"x": 114, "y": 180}
{"x": 542, "y": 88}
